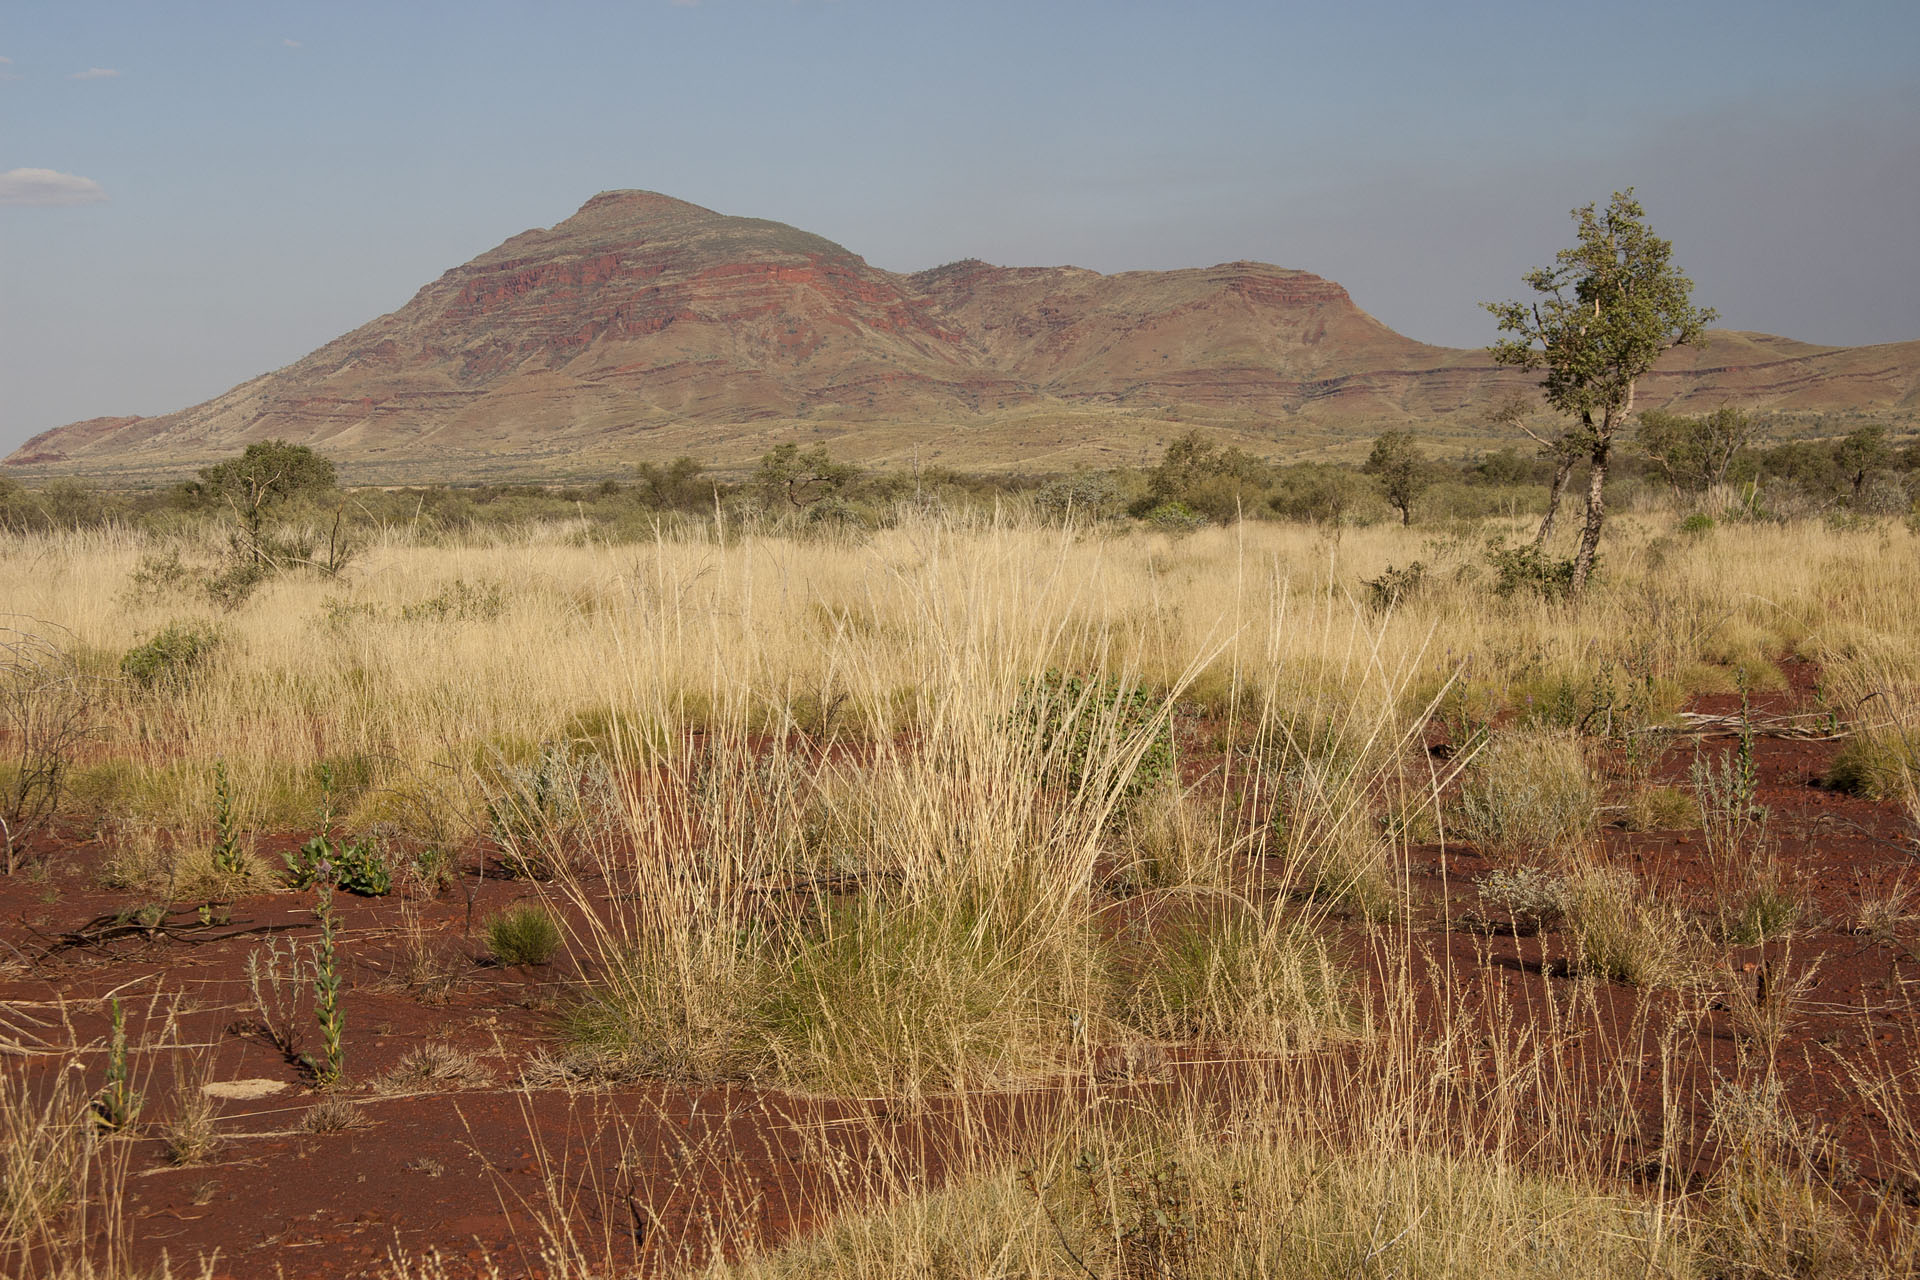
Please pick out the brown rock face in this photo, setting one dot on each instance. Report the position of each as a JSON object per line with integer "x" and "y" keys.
{"x": 644, "y": 326}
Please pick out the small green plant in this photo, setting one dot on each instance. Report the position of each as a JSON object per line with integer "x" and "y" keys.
{"x": 1080, "y": 724}
{"x": 1697, "y": 523}
{"x": 357, "y": 868}
{"x": 172, "y": 658}
{"x": 228, "y": 857}
{"x": 331, "y": 1068}
{"x": 524, "y": 934}
{"x": 1395, "y": 586}
{"x": 117, "y": 1105}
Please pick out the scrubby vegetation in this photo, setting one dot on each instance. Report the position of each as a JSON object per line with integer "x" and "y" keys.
{"x": 946, "y": 792}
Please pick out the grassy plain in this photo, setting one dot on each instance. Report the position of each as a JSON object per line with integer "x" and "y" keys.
{"x": 1146, "y": 826}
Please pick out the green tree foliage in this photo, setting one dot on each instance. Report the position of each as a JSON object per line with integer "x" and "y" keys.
{"x": 263, "y": 478}
{"x": 1404, "y": 472}
{"x": 1861, "y": 453}
{"x": 678, "y": 486}
{"x": 1695, "y": 454}
{"x": 1214, "y": 481}
{"x": 1602, "y": 315}
{"x": 801, "y": 477}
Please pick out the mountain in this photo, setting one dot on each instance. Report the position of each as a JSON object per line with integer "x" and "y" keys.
{"x": 645, "y": 327}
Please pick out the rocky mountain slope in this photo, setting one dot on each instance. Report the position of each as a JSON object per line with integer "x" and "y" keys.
{"x": 644, "y": 326}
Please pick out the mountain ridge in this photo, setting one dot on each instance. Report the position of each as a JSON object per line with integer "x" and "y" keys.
{"x": 644, "y": 325}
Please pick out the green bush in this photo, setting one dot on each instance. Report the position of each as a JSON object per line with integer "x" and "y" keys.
{"x": 357, "y": 868}
{"x": 1395, "y": 586}
{"x": 524, "y": 934}
{"x": 1080, "y": 723}
{"x": 173, "y": 657}
{"x": 1175, "y": 518}
{"x": 1529, "y": 570}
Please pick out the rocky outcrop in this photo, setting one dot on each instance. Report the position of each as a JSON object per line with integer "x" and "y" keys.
{"x": 644, "y": 323}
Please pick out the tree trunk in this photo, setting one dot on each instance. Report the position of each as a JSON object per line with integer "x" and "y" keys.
{"x": 1596, "y": 515}
{"x": 1561, "y": 471}
{"x": 1406, "y": 516}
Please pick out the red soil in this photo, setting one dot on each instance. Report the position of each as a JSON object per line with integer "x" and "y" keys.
{"x": 655, "y": 1167}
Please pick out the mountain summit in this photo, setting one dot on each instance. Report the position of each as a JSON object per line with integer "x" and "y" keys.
{"x": 645, "y": 326}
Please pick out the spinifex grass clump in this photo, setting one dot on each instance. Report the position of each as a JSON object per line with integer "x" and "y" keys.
{"x": 524, "y": 934}
{"x": 1228, "y": 972}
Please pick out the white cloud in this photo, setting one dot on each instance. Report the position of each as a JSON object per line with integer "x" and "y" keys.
{"x": 290, "y": 43}
{"x": 94, "y": 73}
{"x": 48, "y": 187}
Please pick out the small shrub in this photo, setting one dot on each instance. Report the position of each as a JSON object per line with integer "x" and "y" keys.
{"x": 357, "y": 868}
{"x": 524, "y": 934}
{"x": 1533, "y": 898}
{"x": 172, "y": 658}
{"x": 458, "y": 601}
{"x": 541, "y": 811}
{"x": 1527, "y": 570}
{"x": 156, "y": 576}
{"x": 1528, "y": 791}
{"x": 1085, "y": 724}
{"x": 1395, "y": 586}
{"x": 1175, "y": 518}
{"x": 1697, "y": 523}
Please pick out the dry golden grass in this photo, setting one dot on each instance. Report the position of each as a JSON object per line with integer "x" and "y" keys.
{"x": 869, "y": 732}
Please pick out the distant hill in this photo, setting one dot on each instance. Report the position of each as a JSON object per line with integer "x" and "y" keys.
{"x": 644, "y": 327}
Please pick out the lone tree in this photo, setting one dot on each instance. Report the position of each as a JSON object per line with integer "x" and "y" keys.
{"x": 266, "y": 474}
{"x": 1607, "y": 309}
{"x": 1402, "y": 470}
{"x": 802, "y": 477}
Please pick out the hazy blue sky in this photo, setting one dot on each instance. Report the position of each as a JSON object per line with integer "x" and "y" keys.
{"x": 191, "y": 194}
